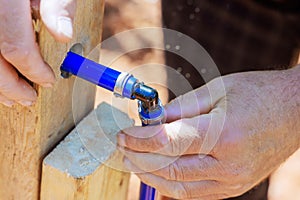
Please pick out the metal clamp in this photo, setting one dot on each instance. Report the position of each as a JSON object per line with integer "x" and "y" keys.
{"x": 124, "y": 85}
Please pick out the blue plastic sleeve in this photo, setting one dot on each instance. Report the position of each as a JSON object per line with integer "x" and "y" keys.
{"x": 91, "y": 71}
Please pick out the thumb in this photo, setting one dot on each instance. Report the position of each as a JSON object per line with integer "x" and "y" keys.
{"x": 180, "y": 137}
{"x": 58, "y": 17}
{"x": 196, "y": 102}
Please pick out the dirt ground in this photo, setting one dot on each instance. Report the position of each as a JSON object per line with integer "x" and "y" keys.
{"x": 122, "y": 15}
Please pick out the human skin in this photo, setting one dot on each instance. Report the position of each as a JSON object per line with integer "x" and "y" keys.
{"x": 196, "y": 155}
{"x": 19, "y": 50}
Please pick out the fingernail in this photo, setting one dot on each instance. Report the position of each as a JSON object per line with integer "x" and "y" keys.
{"x": 64, "y": 26}
{"x": 25, "y": 103}
{"x": 47, "y": 85}
{"x": 121, "y": 139}
{"x": 8, "y": 103}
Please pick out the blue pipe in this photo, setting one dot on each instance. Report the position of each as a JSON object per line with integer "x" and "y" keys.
{"x": 105, "y": 77}
{"x": 91, "y": 71}
{"x": 147, "y": 192}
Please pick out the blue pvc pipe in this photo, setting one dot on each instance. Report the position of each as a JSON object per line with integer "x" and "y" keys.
{"x": 147, "y": 192}
{"x": 105, "y": 77}
{"x": 91, "y": 71}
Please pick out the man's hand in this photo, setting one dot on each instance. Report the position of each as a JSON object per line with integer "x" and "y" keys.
{"x": 219, "y": 144}
{"x": 19, "y": 50}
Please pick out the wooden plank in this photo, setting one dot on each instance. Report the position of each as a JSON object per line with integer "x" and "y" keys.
{"x": 81, "y": 166}
{"x": 27, "y": 134}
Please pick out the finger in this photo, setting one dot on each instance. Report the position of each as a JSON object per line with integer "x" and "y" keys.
{"x": 147, "y": 162}
{"x": 182, "y": 137}
{"x": 58, "y": 17}
{"x": 17, "y": 42}
{"x": 196, "y": 102}
{"x": 179, "y": 190}
{"x": 5, "y": 101}
{"x": 185, "y": 168}
{"x": 13, "y": 87}
{"x": 191, "y": 168}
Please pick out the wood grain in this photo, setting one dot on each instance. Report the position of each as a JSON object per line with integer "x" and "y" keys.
{"x": 85, "y": 165}
{"x": 28, "y": 134}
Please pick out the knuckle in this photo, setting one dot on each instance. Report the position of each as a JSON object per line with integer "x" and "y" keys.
{"x": 181, "y": 192}
{"x": 172, "y": 171}
{"x": 7, "y": 86}
{"x": 175, "y": 172}
{"x": 16, "y": 53}
{"x": 157, "y": 144}
{"x": 174, "y": 147}
{"x": 159, "y": 138}
{"x": 176, "y": 191}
